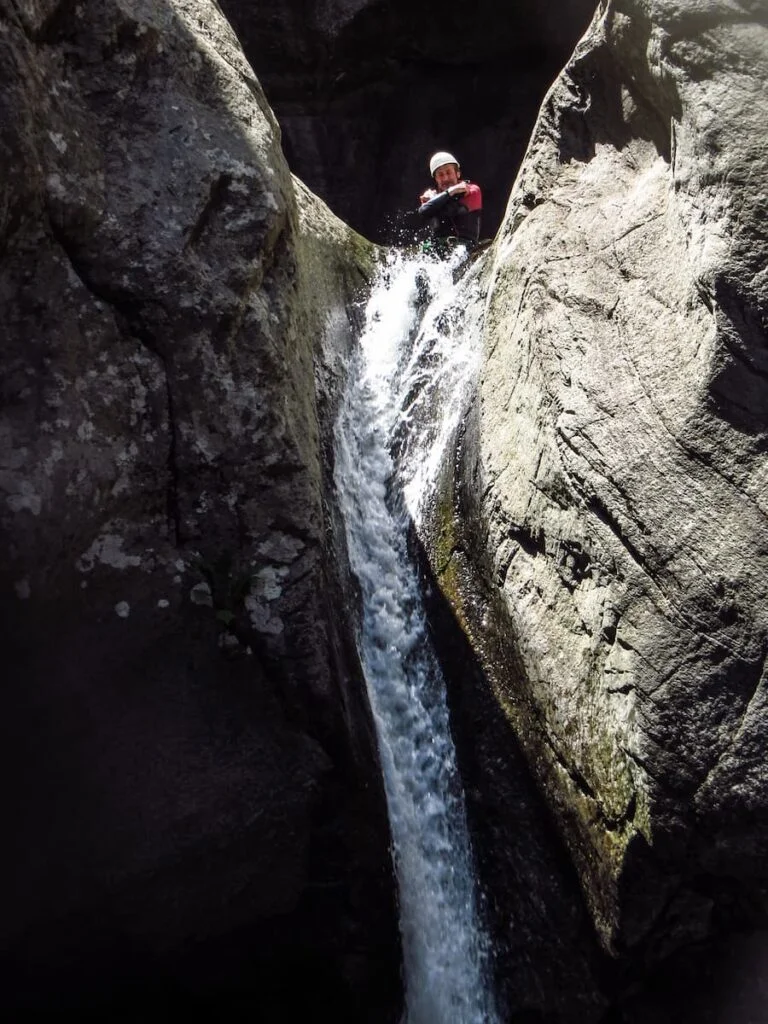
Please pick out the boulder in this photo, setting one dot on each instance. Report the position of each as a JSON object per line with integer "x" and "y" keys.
{"x": 605, "y": 543}
{"x": 190, "y": 771}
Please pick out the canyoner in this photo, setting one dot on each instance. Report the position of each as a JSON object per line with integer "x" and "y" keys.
{"x": 405, "y": 396}
{"x": 453, "y": 208}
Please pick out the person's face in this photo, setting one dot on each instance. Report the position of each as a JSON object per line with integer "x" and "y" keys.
{"x": 446, "y": 176}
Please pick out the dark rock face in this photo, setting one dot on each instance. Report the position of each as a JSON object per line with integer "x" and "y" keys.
{"x": 604, "y": 545}
{"x": 366, "y": 90}
{"x": 193, "y": 794}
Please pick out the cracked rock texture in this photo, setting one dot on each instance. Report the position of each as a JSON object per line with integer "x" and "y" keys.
{"x": 610, "y": 556}
{"x": 193, "y": 793}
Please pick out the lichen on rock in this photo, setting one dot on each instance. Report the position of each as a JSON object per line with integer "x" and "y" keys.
{"x": 165, "y": 328}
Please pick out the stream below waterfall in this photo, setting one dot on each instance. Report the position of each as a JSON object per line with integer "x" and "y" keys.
{"x": 407, "y": 391}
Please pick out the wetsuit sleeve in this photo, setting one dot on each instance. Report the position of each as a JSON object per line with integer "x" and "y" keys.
{"x": 435, "y": 207}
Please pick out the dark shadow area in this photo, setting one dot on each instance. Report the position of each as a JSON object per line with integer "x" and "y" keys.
{"x": 599, "y": 113}
{"x": 740, "y": 381}
{"x": 724, "y": 981}
{"x": 365, "y": 92}
{"x": 176, "y": 842}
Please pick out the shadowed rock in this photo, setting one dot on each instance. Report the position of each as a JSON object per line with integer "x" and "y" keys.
{"x": 187, "y": 759}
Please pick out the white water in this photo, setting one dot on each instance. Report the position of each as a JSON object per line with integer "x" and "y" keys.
{"x": 407, "y": 394}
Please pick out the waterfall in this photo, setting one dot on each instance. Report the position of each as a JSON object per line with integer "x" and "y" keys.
{"x": 404, "y": 399}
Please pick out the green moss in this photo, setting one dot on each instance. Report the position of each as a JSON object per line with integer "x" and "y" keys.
{"x": 335, "y": 259}
{"x": 597, "y": 805}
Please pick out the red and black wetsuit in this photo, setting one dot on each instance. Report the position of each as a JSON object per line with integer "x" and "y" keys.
{"x": 455, "y": 216}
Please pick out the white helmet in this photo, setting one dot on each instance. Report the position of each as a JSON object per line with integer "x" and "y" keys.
{"x": 440, "y": 160}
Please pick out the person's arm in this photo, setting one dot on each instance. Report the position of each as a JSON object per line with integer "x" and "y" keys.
{"x": 435, "y": 206}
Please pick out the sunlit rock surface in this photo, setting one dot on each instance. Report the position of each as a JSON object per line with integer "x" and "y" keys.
{"x": 186, "y": 760}
{"x": 610, "y": 561}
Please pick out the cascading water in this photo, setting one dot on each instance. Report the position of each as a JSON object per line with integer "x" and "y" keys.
{"x": 406, "y": 394}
